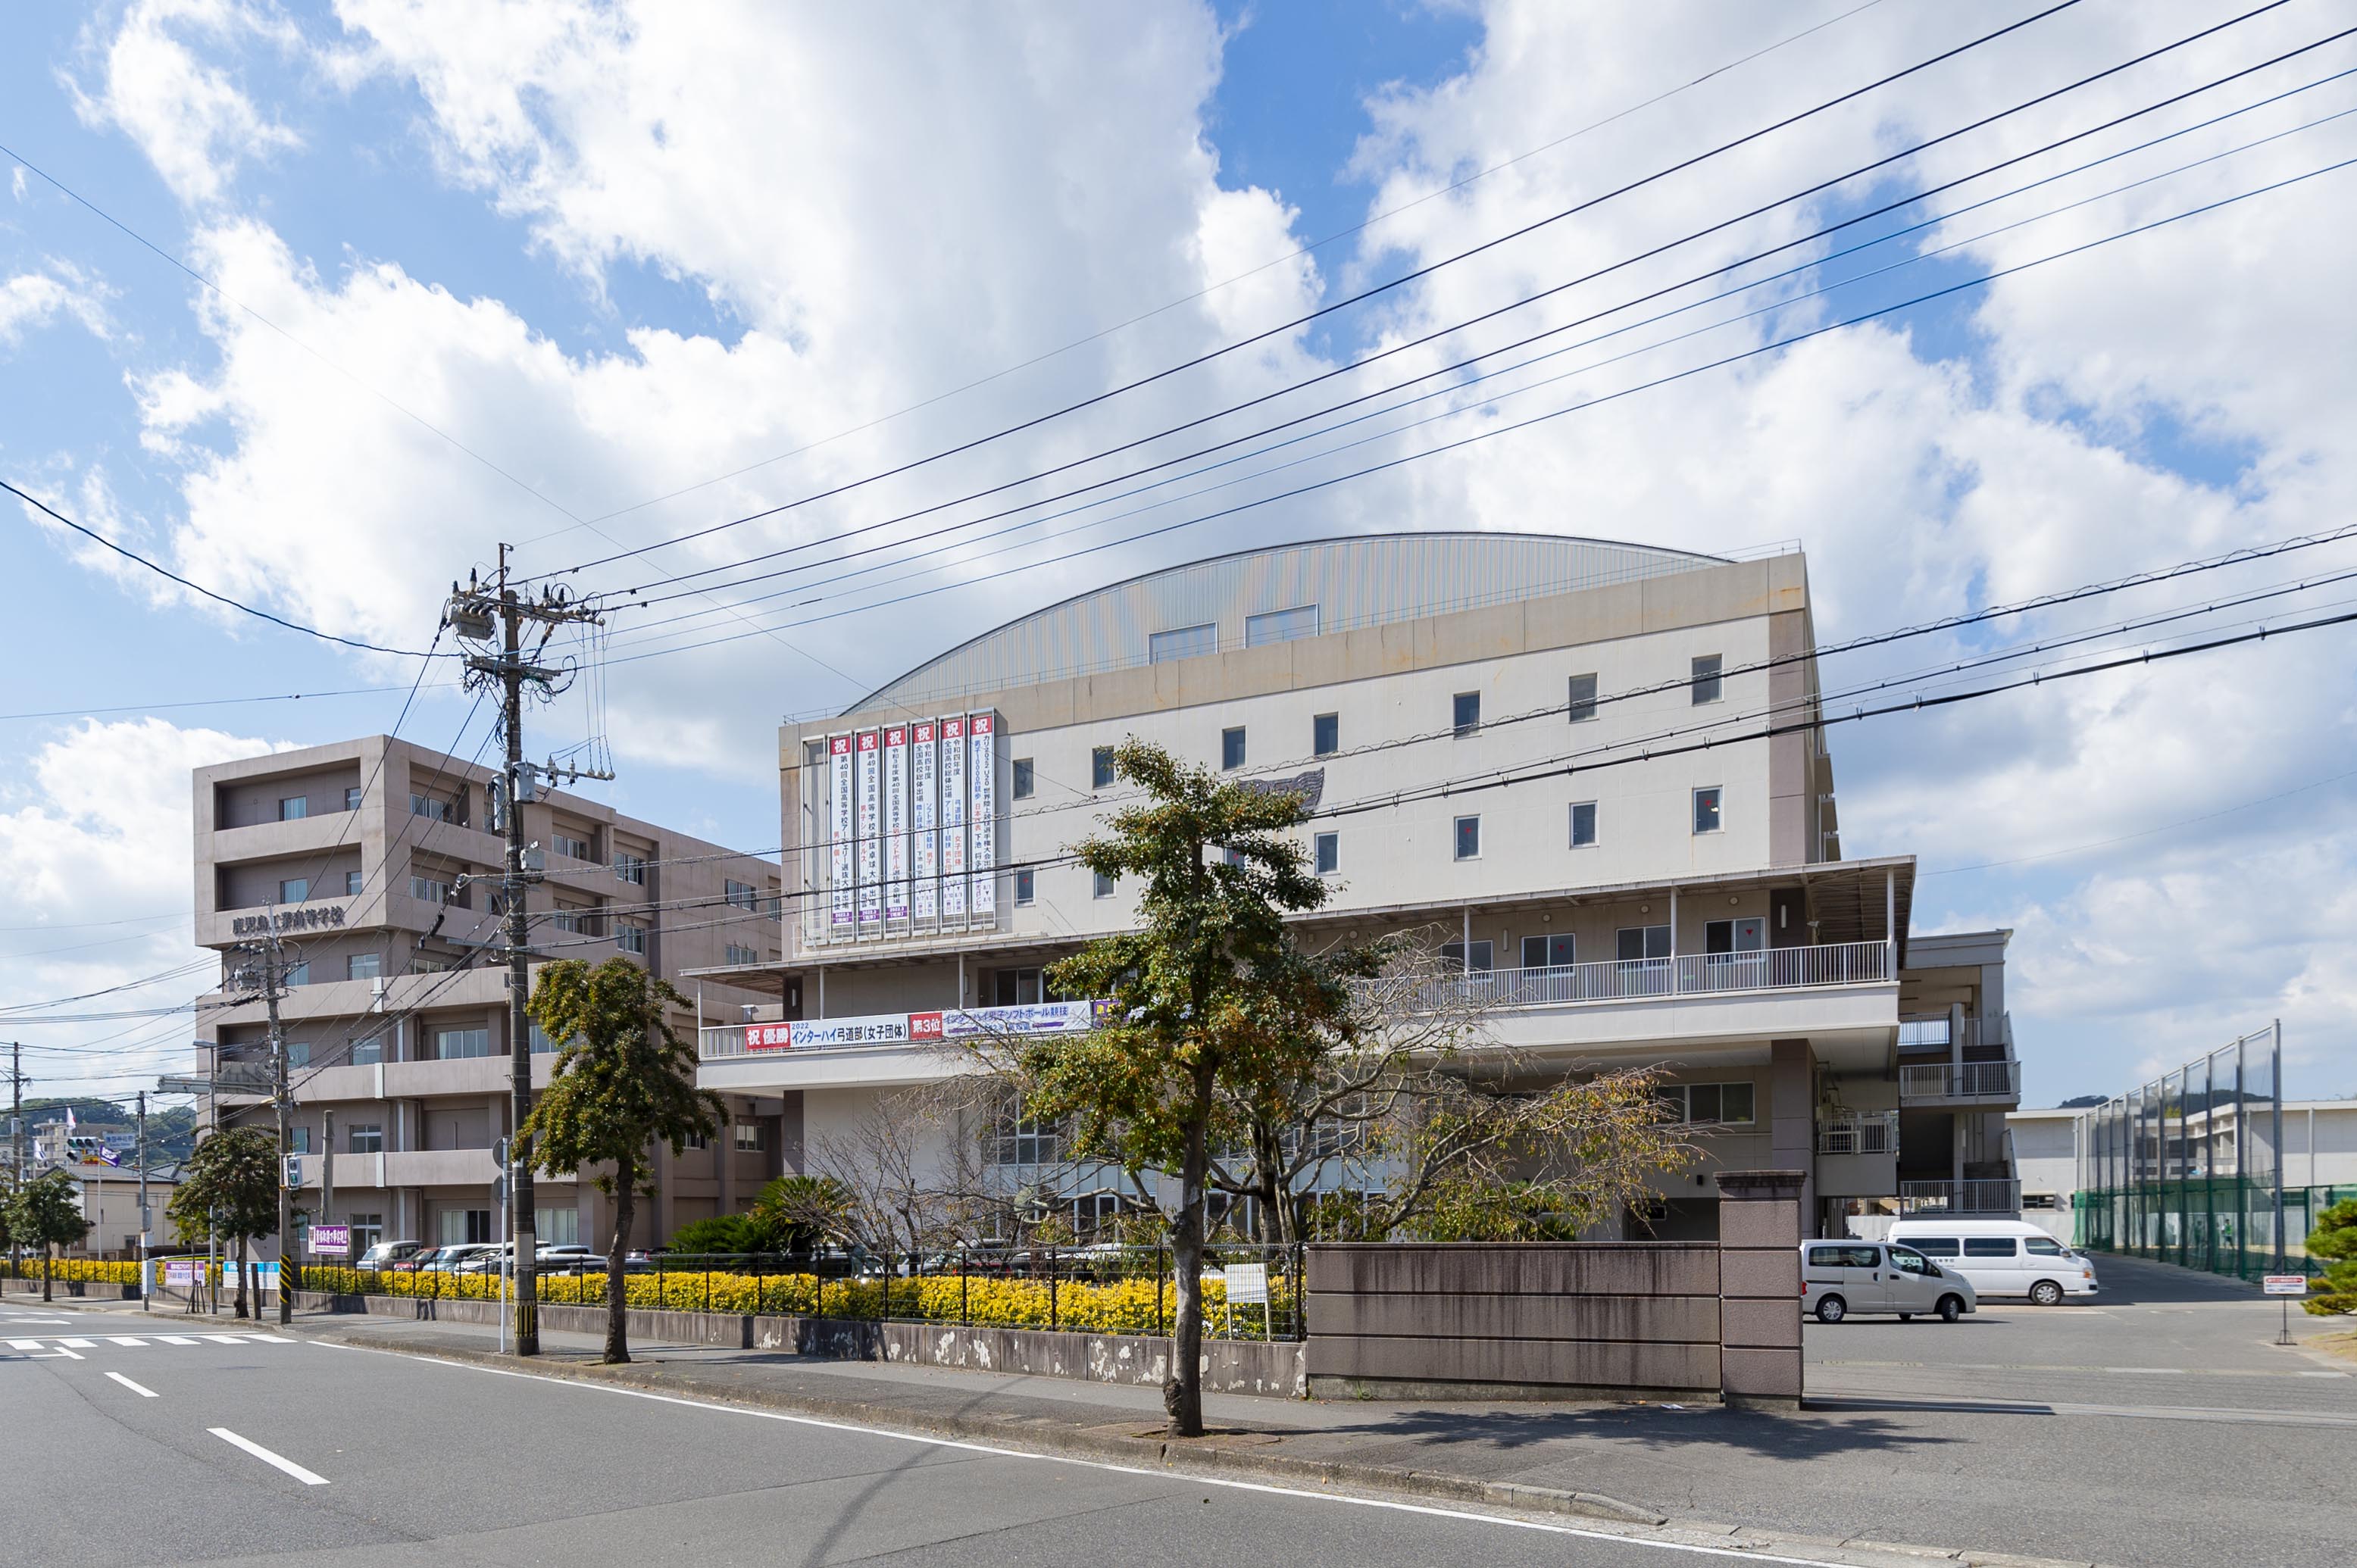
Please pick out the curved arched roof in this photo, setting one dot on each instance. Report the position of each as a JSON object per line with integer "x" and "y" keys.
{"x": 1341, "y": 583}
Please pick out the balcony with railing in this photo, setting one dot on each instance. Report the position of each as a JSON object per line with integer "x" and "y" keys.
{"x": 1988, "y": 1084}
{"x": 1932, "y": 1199}
{"x": 1689, "y": 974}
{"x": 1858, "y": 1132}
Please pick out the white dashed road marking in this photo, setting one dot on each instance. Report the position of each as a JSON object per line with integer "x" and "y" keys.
{"x": 125, "y": 1339}
{"x": 135, "y": 1388}
{"x": 267, "y": 1458}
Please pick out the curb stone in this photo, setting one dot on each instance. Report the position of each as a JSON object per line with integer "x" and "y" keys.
{"x": 1515, "y": 1497}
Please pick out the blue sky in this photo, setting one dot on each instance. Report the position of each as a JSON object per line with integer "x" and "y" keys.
{"x": 618, "y": 260}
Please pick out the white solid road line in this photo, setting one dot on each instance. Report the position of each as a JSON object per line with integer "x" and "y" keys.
{"x": 135, "y": 1388}
{"x": 1190, "y": 1478}
{"x": 267, "y": 1458}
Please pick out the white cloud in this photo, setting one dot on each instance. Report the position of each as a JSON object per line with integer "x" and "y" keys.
{"x": 189, "y": 115}
{"x": 31, "y": 300}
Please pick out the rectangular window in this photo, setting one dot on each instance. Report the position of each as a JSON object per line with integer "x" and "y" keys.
{"x": 1023, "y": 784}
{"x": 1554, "y": 952}
{"x": 351, "y": 798}
{"x": 1583, "y": 823}
{"x": 1182, "y": 642}
{"x": 298, "y": 1140}
{"x": 1326, "y": 735}
{"x": 368, "y": 1229}
{"x": 1469, "y": 838}
{"x": 431, "y": 807}
{"x": 1027, "y": 885}
{"x": 1933, "y": 1246}
{"x": 294, "y": 808}
{"x": 1989, "y": 1247}
{"x": 743, "y": 895}
{"x": 1714, "y": 1104}
{"x": 1706, "y": 804}
{"x": 1016, "y": 1139}
{"x": 1452, "y": 956}
{"x": 294, "y": 890}
{"x": 695, "y": 1141}
{"x": 573, "y": 921}
{"x": 557, "y": 1227}
{"x": 1582, "y": 706}
{"x": 1329, "y": 853}
{"x": 1280, "y": 626}
{"x": 429, "y": 890}
{"x": 1706, "y": 679}
{"x": 1467, "y": 714}
{"x": 630, "y": 868}
{"x": 299, "y": 973}
{"x": 1632, "y": 944}
{"x": 369, "y": 1052}
{"x": 1099, "y": 885}
{"x": 363, "y": 965}
{"x": 542, "y": 1046}
{"x": 748, "y": 1138}
{"x": 427, "y": 963}
{"x": 572, "y": 848}
{"x": 738, "y": 953}
{"x": 1101, "y": 768}
{"x": 1017, "y": 987}
{"x": 458, "y": 1045}
{"x": 353, "y": 883}
{"x": 1232, "y": 747}
{"x": 630, "y": 937}
{"x": 364, "y": 1138}
{"x": 465, "y": 1226}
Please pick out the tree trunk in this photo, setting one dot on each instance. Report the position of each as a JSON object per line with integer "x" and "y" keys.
{"x": 1182, "y": 1392}
{"x": 241, "y": 1278}
{"x": 48, "y": 1268}
{"x": 617, "y": 1295}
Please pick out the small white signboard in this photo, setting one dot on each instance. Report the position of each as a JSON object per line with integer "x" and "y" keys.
{"x": 181, "y": 1271}
{"x": 2284, "y": 1284}
{"x": 1247, "y": 1284}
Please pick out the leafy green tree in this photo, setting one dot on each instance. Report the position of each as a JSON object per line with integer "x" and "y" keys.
{"x": 1212, "y": 994}
{"x": 230, "y": 1189}
{"x": 44, "y": 1212}
{"x": 2333, "y": 1237}
{"x": 623, "y": 1080}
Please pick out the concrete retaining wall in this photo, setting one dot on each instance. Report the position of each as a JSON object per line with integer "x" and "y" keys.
{"x": 1237, "y": 1367}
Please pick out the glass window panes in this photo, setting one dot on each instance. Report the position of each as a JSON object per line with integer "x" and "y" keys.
{"x": 299, "y": 1053}
{"x": 428, "y": 889}
{"x": 1706, "y": 810}
{"x": 1232, "y": 747}
{"x": 1582, "y": 705}
{"x": 1464, "y": 712}
{"x": 1016, "y": 1139}
{"x": 739, "y": 953}
{"x": 1555, "y": 951}
{"x": 1281, "y": 626}
{"x": 748, "y": 1138}
{"x": 1027, "y": 885}
{"x": 1183, "y": 642}
{"x": 294, "y": 807}
{"x": 1023, "y": 778}
{"x": 456, "y": 1044}
{"x": 363, "y": 965}
{"x": 629, "y": 868}
{"x": 630, "y": 937}
{"x": 1101, "y": 768}
{"x": 432, "y": 806}
{"x": 1330, "y": 853}
{"x": 298, "y": 974}
{"x": 1099, "y": 885}
{"x": 1326, "y": 735}
{"x": 353, "y": 798}
{"x": 1469, "y": 838}
{"x": 368, "y": 1052}
{"x": 364, "y": 1138}
{"x": 1452, "y": 956}
{"x": 557, "y": 1227}
{"x": 294, "y": 890}
{"x": 1933, "y": 1246}
{"x": 1634, "y": 943}
{"x": 298, "y": 1140}
{"x": 1583, "y": 823}
{"x": 353, "y": 883}
{"x": 1988, "y": 1247}
{"x": 541, "y": 1045}
{"x": 1722, "y": 1103}
{"x": 1705, "y": 678}
{"x": 741, "y": 894}
{"x": 2043, "y": 1247}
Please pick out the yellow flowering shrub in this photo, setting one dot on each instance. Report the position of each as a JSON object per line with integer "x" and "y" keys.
{"x": 105, "y": 1272}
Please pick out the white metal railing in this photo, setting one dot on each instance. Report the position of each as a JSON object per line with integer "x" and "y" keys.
{"x": 1859, "y": 1133}
{"x": 1968, "y": 1080}
{"x": 1689, "y": 974}
{"x": 1984, "y": 1195}
{"x": 721, "y": 1040}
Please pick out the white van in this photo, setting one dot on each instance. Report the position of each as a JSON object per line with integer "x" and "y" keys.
{"x": 2002, "y": 1257}
{"x": 1838, "y": 1278}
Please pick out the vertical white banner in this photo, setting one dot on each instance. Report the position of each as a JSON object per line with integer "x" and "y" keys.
{"x": 953, "y": 805}
{"x": 982, "y": 777}
{"x": 896, "y": 823}
{"x": 839, "y": 833}
{"x": 871, "y": 860}
{"x": 923, "y": 817}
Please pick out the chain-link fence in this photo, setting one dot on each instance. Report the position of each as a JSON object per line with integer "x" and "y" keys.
{"x": 2188, "y": 1169}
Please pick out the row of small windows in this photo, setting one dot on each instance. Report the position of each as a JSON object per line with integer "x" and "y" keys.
{"x": 1630, "y": 944}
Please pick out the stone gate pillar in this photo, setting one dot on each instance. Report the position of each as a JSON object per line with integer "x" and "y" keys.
{"x": 1759, "y": 1287}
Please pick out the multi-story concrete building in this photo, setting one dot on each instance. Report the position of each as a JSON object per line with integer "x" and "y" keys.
{"x": 374, "y": 863}
{"x": 1503, "y": 736}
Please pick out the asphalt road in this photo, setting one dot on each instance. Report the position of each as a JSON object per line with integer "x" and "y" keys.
{"x": 236, "y": 1449}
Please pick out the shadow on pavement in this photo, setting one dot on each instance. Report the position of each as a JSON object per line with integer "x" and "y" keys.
{"x": 1756, "y": 1433}
{"x": 2138, "y": 1282}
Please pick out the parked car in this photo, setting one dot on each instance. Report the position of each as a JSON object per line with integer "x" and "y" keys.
{"x": 1838, "y": 1278}
{"x": 425, "y": 1259}
{"x": 569, "y": 1260}
{"x": 2003, "y": 1257}
{"x": 481, "y": 1258}
{"x": 387, "y": 1255}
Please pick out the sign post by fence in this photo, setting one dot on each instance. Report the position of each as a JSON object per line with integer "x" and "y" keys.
{"x": 2286, "y": 1286}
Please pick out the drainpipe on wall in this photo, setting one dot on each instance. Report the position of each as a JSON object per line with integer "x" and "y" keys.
{"x": 1465, "y": 943}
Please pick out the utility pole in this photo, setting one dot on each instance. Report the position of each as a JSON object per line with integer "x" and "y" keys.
{"x": 328, "y": 1173}
{"x": 272, "y": 972}
{"x": 472, "y": 612}
{"x": 142, "y": 1156}
{"x": 15, "y": 1136}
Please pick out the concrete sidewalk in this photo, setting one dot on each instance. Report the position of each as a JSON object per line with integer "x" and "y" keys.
{"x": 1990, "y": 1484}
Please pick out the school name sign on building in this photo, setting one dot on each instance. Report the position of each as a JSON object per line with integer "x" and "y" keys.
{"x": 925, "y": 1028}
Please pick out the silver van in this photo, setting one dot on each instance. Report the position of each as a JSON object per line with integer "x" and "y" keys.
{"x": 1838, "y": 1278}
